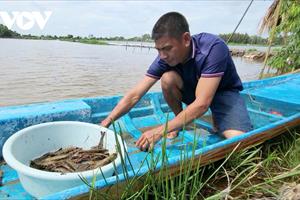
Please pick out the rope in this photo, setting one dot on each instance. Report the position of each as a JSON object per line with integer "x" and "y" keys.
{"x": 240, "y": 21}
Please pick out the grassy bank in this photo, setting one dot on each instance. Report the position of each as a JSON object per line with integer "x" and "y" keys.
{"x": 87, "y": 41}
{"x": 264, "y": 171}
{"x": 92, "y": 41}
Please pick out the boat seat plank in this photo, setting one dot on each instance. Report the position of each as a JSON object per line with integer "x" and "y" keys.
{"x": 287, "y": 92}
{"x": 67, "y": 109}
{"x": 279, "y": 93}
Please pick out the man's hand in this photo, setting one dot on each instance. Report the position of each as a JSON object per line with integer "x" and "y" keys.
{"x": 149, "y": 138}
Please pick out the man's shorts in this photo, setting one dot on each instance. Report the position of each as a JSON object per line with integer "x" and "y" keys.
{"x": 229, "y": 112}
{"x": 228, "y": 109}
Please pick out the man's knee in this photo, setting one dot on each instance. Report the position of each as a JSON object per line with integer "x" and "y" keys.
{"x": 170, "y": 81}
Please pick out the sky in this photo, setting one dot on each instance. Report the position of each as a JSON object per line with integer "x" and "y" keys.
{"x": 135, "y": 18}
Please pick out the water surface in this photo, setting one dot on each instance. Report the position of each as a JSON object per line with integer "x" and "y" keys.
{"x": 39, "y": 70}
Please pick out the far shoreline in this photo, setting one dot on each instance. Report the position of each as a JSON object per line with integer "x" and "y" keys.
{"x": 247, "y": 51}
{"x": 107, "y": 42}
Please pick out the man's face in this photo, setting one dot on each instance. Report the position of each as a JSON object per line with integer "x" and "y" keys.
{"x": 172, "y": 50}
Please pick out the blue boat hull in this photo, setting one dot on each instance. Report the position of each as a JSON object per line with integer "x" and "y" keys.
{"x": 273, "y": 105}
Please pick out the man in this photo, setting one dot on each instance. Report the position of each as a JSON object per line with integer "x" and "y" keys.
{"x": 197, "y": 70}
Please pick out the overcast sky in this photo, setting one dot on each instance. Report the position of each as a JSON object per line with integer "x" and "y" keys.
{"x": 134, "y": 18}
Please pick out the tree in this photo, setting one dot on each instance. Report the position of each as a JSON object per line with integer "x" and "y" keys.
{"x": 283, "y": 20}
{"x": 6, "y": 33}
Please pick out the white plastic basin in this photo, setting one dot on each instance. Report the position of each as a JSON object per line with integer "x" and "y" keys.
{"x": 34, "y": 141}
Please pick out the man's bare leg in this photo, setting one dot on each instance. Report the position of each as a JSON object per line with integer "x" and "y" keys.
{"x": 232, "y": 133}
{"x": 171, "y": 84}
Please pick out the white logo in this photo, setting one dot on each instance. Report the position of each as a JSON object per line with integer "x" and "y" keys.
{"x": 25, "y": 20}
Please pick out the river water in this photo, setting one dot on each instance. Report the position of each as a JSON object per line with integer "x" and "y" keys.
{"x": 39, "y": 70}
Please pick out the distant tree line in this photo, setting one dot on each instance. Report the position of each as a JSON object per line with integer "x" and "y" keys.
{"x": 238, "y": 38}
{"x": 241, "y": 38}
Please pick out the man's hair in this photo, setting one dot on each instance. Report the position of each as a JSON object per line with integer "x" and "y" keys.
{"x": 171, "y": 24}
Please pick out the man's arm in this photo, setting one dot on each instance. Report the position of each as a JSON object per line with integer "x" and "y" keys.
{"x": 129, "y": 100}
{"x": 205, "y": 91}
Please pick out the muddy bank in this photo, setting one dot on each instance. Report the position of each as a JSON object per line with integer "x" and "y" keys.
{"x": 250, "y": 54}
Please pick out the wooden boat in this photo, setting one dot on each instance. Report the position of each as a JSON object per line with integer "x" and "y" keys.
{"x": 273, "y": 105}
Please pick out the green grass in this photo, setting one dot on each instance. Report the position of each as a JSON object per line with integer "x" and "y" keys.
{"x": 251, "y": 173}
{"x": 260, "y": 171}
